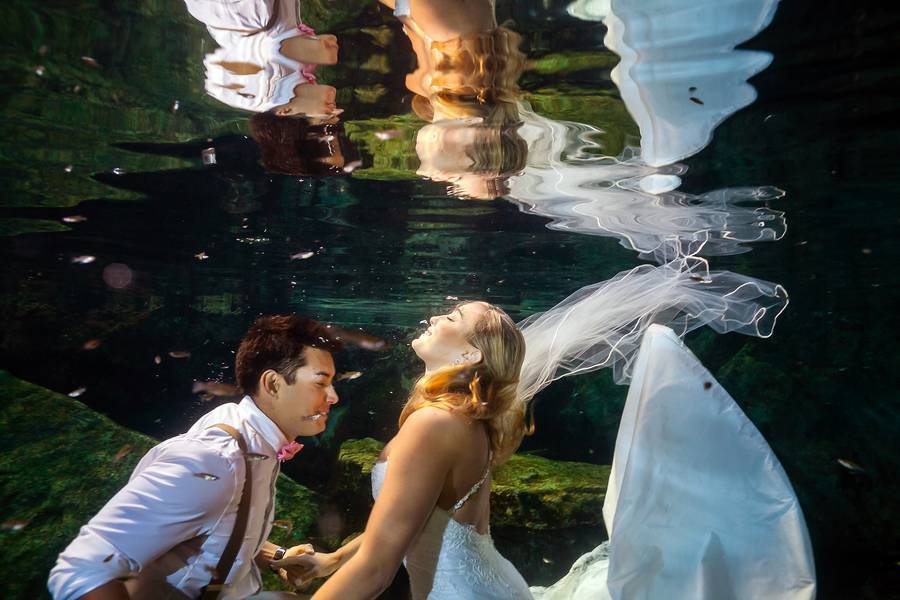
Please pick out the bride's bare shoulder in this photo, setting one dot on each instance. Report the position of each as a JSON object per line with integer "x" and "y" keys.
{"x": 436, "y": 422}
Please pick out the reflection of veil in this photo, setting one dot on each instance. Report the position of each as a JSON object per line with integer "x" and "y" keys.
{"x": 601, "y": 325}
{"x": 625, "y": 198}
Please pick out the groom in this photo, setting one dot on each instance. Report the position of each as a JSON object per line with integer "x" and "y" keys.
{"x": 192, "y": 521}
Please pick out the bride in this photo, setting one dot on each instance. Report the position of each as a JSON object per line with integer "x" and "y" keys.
{"x": 468, "y": 412}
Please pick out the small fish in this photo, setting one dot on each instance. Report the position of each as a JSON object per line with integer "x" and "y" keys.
{"x": 851, "y": 466}
{"x": 157, "y": 359}
{"x": 89, "y": 60}
{"x": 118, "y": 171}
{"x": 352, "y": 166}
{"x": 696, "y": 100}
{"x": 14, "y": 525}
{"x": 388, "y": 134}
{"x": 215, "y": 388}
{"x": 349, "y": 376}
{"x": 180, "y": 354}
{"x": 358, "y": 338}
{"x": 285, "y": 524}
{"x": 201, "y": 256}
{"x": 74, "y": 219}
{"x": 302, "y": 255}
{"x": 84, "y": 259}
{"x": 91, "y": 344}
{"x": 39, "y": 70}
{"x": 123, "y": 452}
{"x": 76, "y": 393}
{"x": 206, "y": 476}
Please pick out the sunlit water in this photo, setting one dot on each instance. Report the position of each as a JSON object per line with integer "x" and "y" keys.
{"x": 796, "y": 185}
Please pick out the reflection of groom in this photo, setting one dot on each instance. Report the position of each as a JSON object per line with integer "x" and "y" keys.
{"x": 188, "y": 524}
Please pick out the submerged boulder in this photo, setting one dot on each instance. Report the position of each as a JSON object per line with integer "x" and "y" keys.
{"x": 528, "y": 492}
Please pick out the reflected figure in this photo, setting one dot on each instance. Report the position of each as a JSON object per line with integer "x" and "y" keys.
{"x": 465, "y": 86}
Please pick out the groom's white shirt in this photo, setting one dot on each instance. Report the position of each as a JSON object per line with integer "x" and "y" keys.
{"x": 172, "y": 520}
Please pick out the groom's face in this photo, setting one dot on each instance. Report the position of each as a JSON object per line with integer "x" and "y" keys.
{"x": 311, "y": 394}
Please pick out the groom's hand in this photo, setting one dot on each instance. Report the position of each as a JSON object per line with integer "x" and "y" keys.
{"x": 300, "y": 568}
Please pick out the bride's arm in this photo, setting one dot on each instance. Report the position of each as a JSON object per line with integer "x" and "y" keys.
{"x": 421, "y": 457}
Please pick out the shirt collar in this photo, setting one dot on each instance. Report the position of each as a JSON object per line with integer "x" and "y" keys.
{"x": 262, "y": 424}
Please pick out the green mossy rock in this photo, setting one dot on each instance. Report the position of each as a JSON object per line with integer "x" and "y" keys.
{"x": 58, "y": 467}
{"x": 529, "y": 491}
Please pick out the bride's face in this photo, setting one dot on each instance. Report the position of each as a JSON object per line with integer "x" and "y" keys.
{"x": 445, "y": 340}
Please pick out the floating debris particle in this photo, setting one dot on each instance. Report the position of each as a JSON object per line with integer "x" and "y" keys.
{"x": 14, "y": 525}
{"x": 208, "y": 155}
{"x": 867, "y": 251}
{"x": 74, "y": 219}
{"x": 707, "y": 385}
{"x": 180, "y": 354}
{"x": 91, "y": 345}
{"x": 215, "y": 388}
{"x": 123, "y": 452}
{"x": 84, "y": 259}
{"x": 117, "y": 275}
{"x": 40, "y": 70}
{"x": 352, "y": 166}
{"x": 201, "y": 256}
{"x": 68, "y": 168}
{"x": 90, "y": 60}
{"x": 547, "y": 561}
{"x": 43, "y": 50}
{"x": 693, "y": 88}
{"x": 302, "y": 255}
{"x": 696, "y": 100}
{"x": 118, "y": 171}
{"x": 157, "y": 359}
{"x": 77, "y": 392}
{"x": 451, "y": 298}
{"x": 423, "y": 322}
{"x": 388, "y": 134}
{"x": 108, "y": 558}
{"x": 851, "y": 466}
{"x": 767, "y": 118}
{"x": 349, "y": 376}
{"x": 76, "y": 89}
{"x": 176, "y": 106}
{"x": 206, "y": 476}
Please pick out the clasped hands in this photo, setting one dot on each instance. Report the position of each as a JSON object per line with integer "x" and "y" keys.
{"x": 301, "y": 564}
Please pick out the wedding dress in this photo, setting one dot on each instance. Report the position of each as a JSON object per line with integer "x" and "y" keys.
{"x": 697, "y": 504}
{"x": 452, "y": 560}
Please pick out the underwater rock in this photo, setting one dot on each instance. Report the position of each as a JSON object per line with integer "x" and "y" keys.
{"x": 527, "y": 492}
{"x": 58, "y": 467}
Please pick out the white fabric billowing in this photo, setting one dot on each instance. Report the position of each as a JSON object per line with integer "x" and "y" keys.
{"x": 601, "y": 325}
{"x": 676, "y": 50}
{"x": 450, "y": 560}
{"x": 697, "y": 506}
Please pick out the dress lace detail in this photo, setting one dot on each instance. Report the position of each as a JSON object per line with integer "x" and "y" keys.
{"x": 452, "y": 560}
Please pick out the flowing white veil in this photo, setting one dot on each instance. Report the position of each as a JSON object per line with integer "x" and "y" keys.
{"x": 601, "y": 325}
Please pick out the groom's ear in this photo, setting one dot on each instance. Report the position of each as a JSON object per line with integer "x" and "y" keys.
{"x": 268, "y": 382}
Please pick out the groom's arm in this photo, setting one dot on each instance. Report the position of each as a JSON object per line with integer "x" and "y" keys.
{"x": 167, "y": 502}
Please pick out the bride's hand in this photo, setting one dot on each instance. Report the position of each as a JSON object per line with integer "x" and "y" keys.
{"x": 301, "y": 568}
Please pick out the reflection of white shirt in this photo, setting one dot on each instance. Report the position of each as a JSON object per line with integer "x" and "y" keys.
{"x": 228, "y": 22}
{"x": 172, "y": 520}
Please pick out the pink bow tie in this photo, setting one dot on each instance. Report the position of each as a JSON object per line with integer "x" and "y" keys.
{"x": 288, "y": 451}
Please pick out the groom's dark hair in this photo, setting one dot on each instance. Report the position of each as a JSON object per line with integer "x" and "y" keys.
{"x": 278, "y": 342}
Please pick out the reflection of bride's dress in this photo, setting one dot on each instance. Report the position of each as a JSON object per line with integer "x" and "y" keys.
{"x": 697, "y": 505}
{"x": 452, "y": 561}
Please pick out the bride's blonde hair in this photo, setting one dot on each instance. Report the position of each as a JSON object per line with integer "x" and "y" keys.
{"x": 486, "y": 390}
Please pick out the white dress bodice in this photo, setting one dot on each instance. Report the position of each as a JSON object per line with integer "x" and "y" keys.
{"x": 450, "y": 560}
